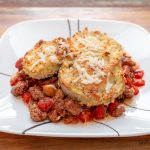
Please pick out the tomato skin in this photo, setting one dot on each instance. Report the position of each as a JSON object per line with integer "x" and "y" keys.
{"x": 18, "y": 64}
{"x": 112, "y": 106}
{"x": 85, "y": 116}
{"x": 45, "y": 104}
{"x": 26, "y": 97}
{"x": 136, "y": 90}
{"x": 138, "y": 82}
{"x": 138, "y": 74}
{"x": 99, "y": 112}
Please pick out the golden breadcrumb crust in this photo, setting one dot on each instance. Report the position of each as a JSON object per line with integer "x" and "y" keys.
{"x": 45, "y": 58}
{"x": 93, "y": 75}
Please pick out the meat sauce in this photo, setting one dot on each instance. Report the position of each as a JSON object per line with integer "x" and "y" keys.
{"x": 46, "y": 101}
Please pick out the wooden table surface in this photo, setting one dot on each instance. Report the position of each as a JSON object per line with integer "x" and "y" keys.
{"x": 12, "y": 15}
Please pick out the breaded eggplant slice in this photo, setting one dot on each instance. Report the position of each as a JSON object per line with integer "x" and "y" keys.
{"x": 89, "y": 82}
{"x": 45, "y": 58}
{"x": 93, "y": 75}
{"x": 96, "y": 41}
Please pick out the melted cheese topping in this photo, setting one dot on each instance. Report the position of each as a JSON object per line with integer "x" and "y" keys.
{"x": 54, "y": 59}
{"x": 49, "y": 48}
{"x": 84, "y": 76}
{"x": 42, "y": 58}
{"x": 92, "y": 62}
{"x": 108, "y": 84}
{"x": 89, "y": 42}
{"x": 42, "y": 55}
{"x": 64, "y": 44}
{"x": 46, "y": 53}
{"x": 50, "y": 54}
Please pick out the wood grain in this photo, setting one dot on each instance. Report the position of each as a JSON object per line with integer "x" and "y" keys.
{"x": 74, "y": 3}
{"x": 17, "y": 142}
{"x": 10, "y": 16}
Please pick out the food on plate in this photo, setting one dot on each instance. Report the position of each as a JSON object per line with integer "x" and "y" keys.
{"x": 45, "y": 58}
{"x": 79, "y": 79}
{"x": 94, "y": 75}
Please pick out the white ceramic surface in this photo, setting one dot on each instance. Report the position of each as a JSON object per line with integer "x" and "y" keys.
{"x": 14, "y": 116}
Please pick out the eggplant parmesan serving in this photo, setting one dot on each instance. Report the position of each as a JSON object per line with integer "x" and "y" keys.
{"x": 79, "y": 79}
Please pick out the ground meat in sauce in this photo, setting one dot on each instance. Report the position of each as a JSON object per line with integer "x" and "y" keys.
{"x": 57, "y": 111}
{"x": 36, "y": 93}
{"x": 129, "y": 92}
{"x": 118, "y": 111}
{"x": 54, "y": 116}
{"x": 71, "y": 119}
{"x": 128, "y": 73}
{"x": 25, "y": 77}
{"x": 19, "y": 88}
{"x": 72, "y": 106}
{"x": 59, "y": 94}
{"x": 127, "y": 60}
{"x": 60, "y": 107}
{"x": 22, "y": 74}
{"x": 35, "y": 112}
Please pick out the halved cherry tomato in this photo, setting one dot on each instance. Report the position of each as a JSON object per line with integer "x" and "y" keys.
{"x": 18, "y": 64}
{"x": 85, "y": 116}
{"x": 138, "y": 82}
{"x": 99, "y": 112}
{"x": 26, "y": 97}
{"x": 138, "y": 74}
{"x": 136, "y": 90}
{"x": 112, "y": 106}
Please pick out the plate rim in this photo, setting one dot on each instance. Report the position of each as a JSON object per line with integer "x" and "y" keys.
{"x": 82, "y": 135}
{"x": 75, "y": 19}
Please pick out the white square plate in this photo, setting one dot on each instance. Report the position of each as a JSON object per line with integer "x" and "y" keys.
{"x": 14, "y": 115}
